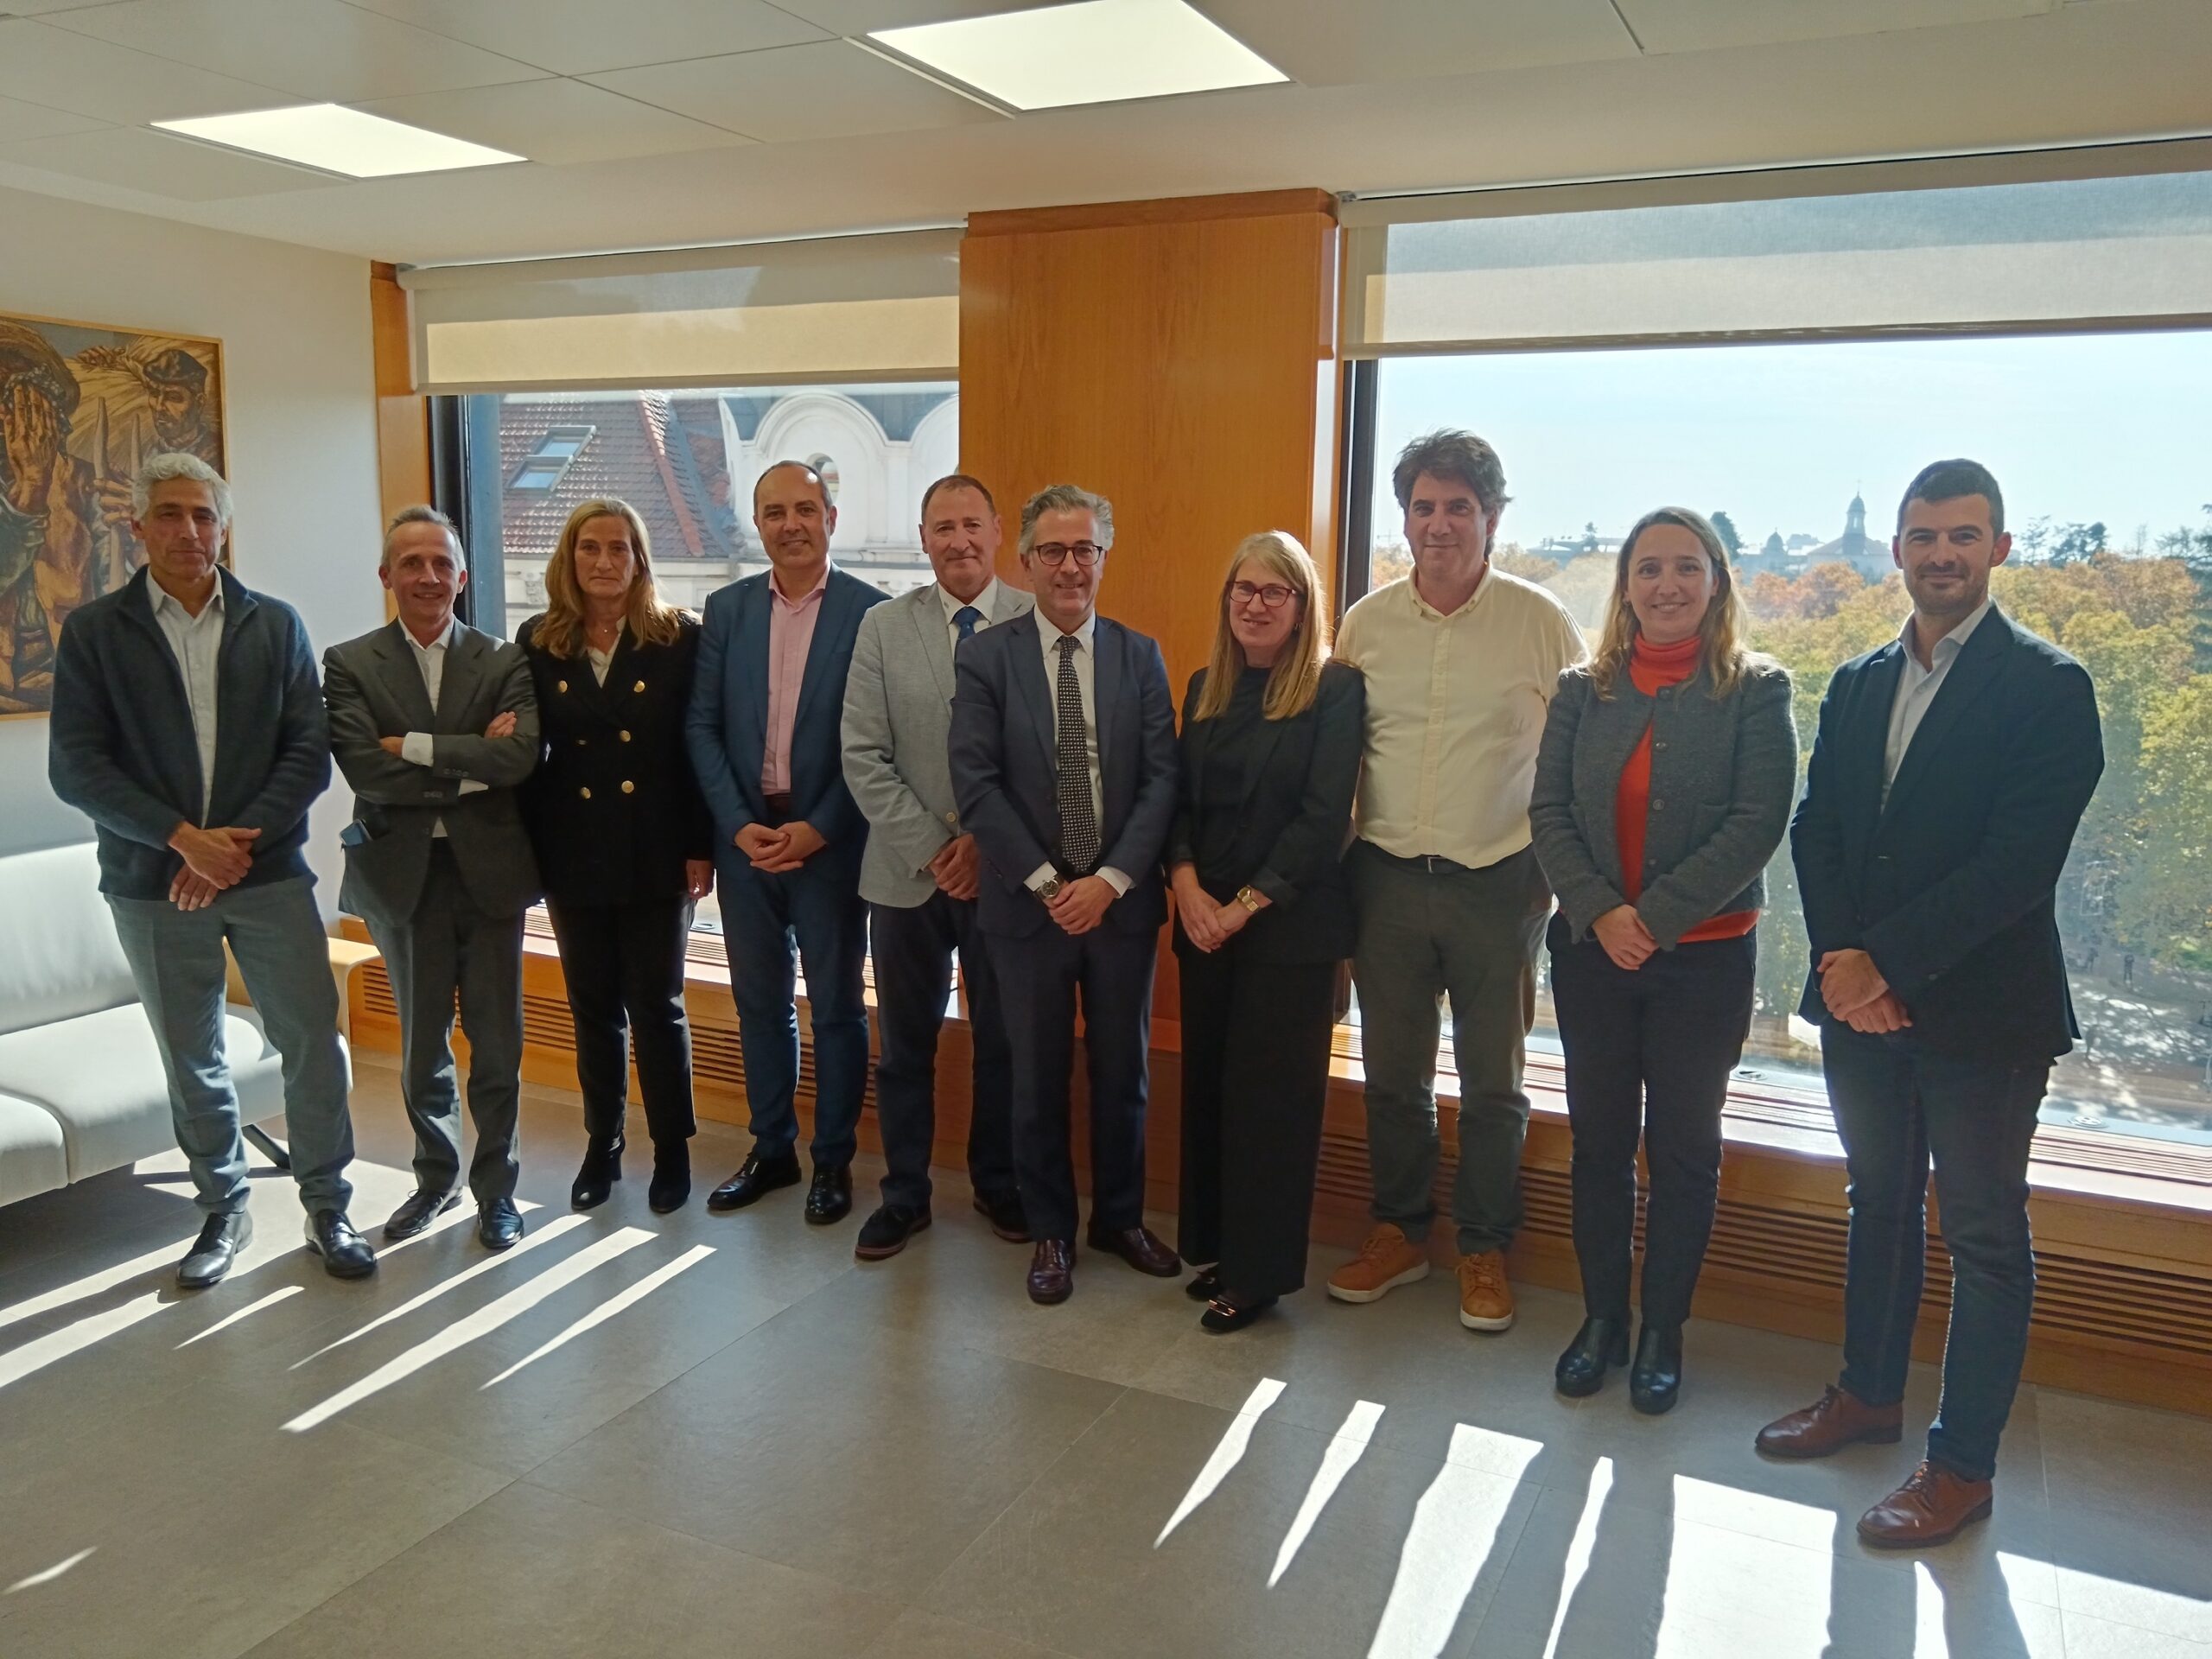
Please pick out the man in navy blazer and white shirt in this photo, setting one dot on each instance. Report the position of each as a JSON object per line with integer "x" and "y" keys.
{"x": 1951, "y": 770}
{"x": 1063, "y": 767}
{"x": 767, "y": 702}
{"x": 921, "y": 870}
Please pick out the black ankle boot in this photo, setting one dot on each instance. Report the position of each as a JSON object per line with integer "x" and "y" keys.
{"x": 602, "y": 1167}
{"x": 1656, "y": 1377}
{"x": 671, "y": 1183}
{"x": 1599, "y": 1345}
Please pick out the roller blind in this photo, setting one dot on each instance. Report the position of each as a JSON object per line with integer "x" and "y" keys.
{"x": 878, "y": 308}
{"x": 1572, "y": 264}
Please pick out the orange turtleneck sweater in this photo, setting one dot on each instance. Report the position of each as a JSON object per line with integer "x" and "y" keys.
{"x": 1650, "y": 667}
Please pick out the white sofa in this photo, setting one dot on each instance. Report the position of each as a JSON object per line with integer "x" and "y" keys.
{"x": 81, "y": 1085}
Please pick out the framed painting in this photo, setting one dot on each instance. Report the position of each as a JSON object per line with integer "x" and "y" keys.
{"x": 81, "y": 405}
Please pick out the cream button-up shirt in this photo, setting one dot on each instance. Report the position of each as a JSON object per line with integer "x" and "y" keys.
{"x": 197, "y": 642}
{"x": 1455, "y": 709}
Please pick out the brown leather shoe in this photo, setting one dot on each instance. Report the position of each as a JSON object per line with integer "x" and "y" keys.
{"x": 1137, "y": 1246}
{"x": 1052, "y": 1271}
{"x": 1834, "y": 1421}
{"x": 1932, "y": 1507}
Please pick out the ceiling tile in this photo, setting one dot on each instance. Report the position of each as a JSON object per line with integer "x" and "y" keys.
{"x": 1704, "y": 25}
{"x": 830, "y": 89}
{"x": 1408, "y": 40}
{"x": 160, "y": 164}
{"x": 312, "y": 48}
{"x": 22, "y": 120}
{"x": 113, "y": 83}
{"x": 860, "y": 17}
{"x": 574, "y": 37}
{"x": 556, "y": 121}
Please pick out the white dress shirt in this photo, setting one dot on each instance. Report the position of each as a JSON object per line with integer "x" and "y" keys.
{"x": 198, "y": 643}
{"x": 419, "y": 747}
{"x": 1049, "y": 636}
{"x": 1917, "y": 689}
{"x": 984, "y": 602}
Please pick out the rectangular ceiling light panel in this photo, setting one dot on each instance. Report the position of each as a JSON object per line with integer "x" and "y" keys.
{"x": 1092, "y": 52}
{"x": 339, "y": 140}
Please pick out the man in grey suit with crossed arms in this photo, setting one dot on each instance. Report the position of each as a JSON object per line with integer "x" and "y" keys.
{"x": 434, "y": 725}
{"x": 921, "y": 870}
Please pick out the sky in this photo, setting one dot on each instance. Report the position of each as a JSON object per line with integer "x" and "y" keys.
{"x": 2109, "y": 427}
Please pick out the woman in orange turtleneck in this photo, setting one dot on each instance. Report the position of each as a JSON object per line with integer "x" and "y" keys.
{"x": 1662, "y": 787}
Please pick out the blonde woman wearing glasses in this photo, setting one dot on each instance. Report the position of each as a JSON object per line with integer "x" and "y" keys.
{"x": 1272, "y": 735}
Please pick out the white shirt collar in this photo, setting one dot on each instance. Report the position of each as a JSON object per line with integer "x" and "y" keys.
{"x": 986, "y": 601}
{"x": 1049, "y": 631}
{"x": 438, "y": 643}
{"x": 1951, "y": 643}
{"x": 161, "y": 599}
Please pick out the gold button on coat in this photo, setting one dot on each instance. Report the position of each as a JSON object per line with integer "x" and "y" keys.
{"x": 624, "y": 737}
{"x": 629, "y": 788}
{"x": 640, "y": 686}
{"x": 585, "y": 791}
{"x": 560, "y": 685}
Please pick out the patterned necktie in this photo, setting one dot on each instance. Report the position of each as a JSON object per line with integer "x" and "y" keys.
{"x": 1078, "y": 823}
{"x": 965, "y": 619}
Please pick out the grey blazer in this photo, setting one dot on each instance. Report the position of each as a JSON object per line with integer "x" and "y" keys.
{"x": 1723, "y": 771}
{"x": 898, "y": 716}
{"x": 374, "y": 690}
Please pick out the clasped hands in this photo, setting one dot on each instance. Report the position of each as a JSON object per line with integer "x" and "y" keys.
{"x": 1855, "y": 993}
{"x": 778, "y": 851}
{"x": 1205, "y": 924}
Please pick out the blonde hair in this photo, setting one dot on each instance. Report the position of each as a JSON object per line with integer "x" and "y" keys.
{"x": 1296, "y": 677}
{"x": 651, "y": 621}
{"x": 1722, "y": 653}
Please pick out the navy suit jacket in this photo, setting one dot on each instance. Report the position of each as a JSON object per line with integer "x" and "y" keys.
{"x": 1004, "y": 775}
{"x": 1949, "y": 886}
{"x": 728, "y": 728}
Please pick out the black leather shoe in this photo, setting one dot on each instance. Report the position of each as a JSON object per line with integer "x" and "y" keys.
{"x": 884, "y": 1234}
{"x": 1599, "y": 1345}
{"x": 671, "y": 1183}
{"x": 595, "y": 1180}
{"x": 1004, "y": 1211}
{"x": 1052, "y": 1271}
{"x": 1205, "y": 1287}
{"x": 1226, "y": 1313}
{"x": 422, "y": 1207}
{"x": 1139, "y": 1248}
{"x": 829, "y": 1195}
{"x": 345, "y": 1252}
{"x": 221, "y": 1238}
{"x": 499, "y": 1224}
{"x": 757, "y": 1177}
{"x": 1656, "y": 1377}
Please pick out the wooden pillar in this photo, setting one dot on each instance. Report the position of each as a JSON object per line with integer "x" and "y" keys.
{"x": 402, "y": 413}
{"x": 1179, "y": 359}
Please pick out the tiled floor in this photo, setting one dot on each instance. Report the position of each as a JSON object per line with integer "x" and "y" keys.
{"x": 718, "y": 1434}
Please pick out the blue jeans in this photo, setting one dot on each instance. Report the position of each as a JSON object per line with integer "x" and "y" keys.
{"x": 1898, "y": 1108}
{"x": 818, "y": 906}
{"x": 284, "y": 956}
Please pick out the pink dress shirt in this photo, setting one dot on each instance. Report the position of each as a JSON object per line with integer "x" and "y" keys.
{"x": 791, "y": 633}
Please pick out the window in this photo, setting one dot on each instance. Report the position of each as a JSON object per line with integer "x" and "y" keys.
{"x": 1798, "y": 452}
{"x": 687, "y": 461}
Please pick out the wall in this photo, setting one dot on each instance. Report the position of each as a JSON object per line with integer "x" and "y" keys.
{"x": 294, "y": 328}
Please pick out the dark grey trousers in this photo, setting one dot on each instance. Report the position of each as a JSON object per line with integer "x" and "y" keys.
{"x": 1430, "y": 929}
{"x": 450, "y": 945}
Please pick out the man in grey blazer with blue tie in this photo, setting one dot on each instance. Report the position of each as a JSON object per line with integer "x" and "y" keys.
{"x": 434, "y": 725}
{"x": 920, "y": 872}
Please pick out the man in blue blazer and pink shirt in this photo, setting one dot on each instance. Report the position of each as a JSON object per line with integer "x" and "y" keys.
{"x": 1064, "y": 768}
{"x": 767, "y": 703}
{"x": 1952, "y": 767}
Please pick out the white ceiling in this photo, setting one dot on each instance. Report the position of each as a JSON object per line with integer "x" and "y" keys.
{"x": 653, "y": 123}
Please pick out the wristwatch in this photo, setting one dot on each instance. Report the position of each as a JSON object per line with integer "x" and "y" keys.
{"x": 1049, "y": 889}
{"x": 1249, "y": 897}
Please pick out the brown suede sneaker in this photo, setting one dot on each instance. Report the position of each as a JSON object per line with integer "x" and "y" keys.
{"x": 1932, "y": 1507}
{"x": 1485, "y": 1298}
{"x": 1834, "y": 1421}
{"x": 1388, "y": 1260}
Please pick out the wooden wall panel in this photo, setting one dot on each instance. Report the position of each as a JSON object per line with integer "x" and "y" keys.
{"x": 1179, "y": 359}
{"x": 402, "y": 414}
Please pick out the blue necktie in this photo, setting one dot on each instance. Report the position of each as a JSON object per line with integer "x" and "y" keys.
{"x": 965, "y": 619}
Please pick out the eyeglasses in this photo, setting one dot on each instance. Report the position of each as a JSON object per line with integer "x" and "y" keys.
{"x": 1053, "y": 553}
{"x": 1274, "y": 595}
